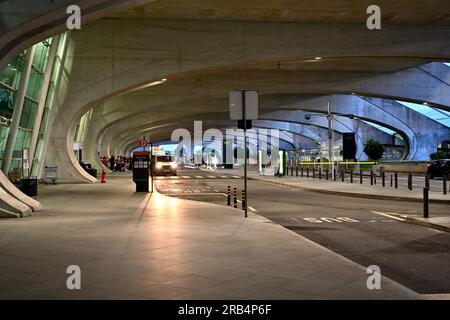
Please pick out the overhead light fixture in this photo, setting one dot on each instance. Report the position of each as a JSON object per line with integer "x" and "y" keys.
{"x": 425, "y": 103}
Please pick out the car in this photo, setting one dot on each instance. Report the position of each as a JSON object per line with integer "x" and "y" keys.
{"x": 439, "y": 168}
{"x": 164, "y": 165}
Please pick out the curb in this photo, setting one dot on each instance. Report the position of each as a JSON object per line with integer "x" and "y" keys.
{"x": 349, "y": 194}
{"x": 427, "y": 224}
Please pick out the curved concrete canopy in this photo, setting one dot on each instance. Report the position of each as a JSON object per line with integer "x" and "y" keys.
{"x": 113, "y": 57}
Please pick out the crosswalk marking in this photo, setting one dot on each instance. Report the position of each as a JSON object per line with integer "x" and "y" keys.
{"x": 389, "y": 215}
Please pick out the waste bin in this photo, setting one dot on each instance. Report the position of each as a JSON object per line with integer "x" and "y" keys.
{"x": 28, "y": 186}
{"x": 93, "y": 172}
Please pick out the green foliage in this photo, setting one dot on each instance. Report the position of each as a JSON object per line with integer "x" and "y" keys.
{"x": 373, "y": 149}
{"x": 439, "y": 155}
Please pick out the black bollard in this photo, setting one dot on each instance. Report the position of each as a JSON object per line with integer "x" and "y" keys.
{"x": 314, "y": 172}
{"x": 235, "y": 197}
{"x": 410, "y": 181}
{"x": 334, "y": 174}
{"x": 371, "y": 177}
{"x": 396, "y": 180}
{"x": 301, "y": 171}
{"x": 307, "y": 171}
{"x": 342, "y": 175}
{"x": 320, "y": 173}
{"x": 426, "y": 203}
{"x": 351, "y": 175}
{"x": 243, "y": 199}
{"x": 444, "y": 184}
{"x": 296, "y": 171}
{"x": 361, "y": 176}
{"x": 383, "y": 179}
{"x": 392, "y": 180}
{"x": 327, "y": 172}
{"x": 292, "y": 171}
{"x": 229, "y": 196}
{"x": 427, "y": 181}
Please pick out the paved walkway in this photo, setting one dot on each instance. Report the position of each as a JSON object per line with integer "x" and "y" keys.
{"x": 132, "y": 246}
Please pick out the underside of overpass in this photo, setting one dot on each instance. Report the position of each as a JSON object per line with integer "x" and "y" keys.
{"x": 161, "y": 69}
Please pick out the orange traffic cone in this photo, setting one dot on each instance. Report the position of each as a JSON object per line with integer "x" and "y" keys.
{"x": 103, "y": 176}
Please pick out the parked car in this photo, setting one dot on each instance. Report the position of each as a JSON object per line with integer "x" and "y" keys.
{"x": 439, "y": 168}
{"x": 163, "y": 165}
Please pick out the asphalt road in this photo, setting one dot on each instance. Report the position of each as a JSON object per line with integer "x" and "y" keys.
{"x": 366, "y": 231}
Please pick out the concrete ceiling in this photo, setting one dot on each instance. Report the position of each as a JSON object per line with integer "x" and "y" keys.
{"x": 415, "y": 12}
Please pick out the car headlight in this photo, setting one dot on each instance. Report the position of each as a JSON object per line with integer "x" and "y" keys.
{"x": 173, "y": 165}
{"x": 159, "y": 165}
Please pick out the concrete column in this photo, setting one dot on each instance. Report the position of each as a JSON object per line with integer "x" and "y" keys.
{"x": 51, "y": 117}
{"x": 43, "y": 98}
{"x": 14, "y": 127}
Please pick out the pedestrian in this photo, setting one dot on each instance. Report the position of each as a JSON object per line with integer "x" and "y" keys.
{"x": 112, "y": 163}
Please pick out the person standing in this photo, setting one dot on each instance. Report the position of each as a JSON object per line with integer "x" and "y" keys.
{"x": 112, "y": 163}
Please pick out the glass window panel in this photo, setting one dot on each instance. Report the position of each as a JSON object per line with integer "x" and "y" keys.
{"x": 12, "y": 73}
{"x": 7, "y": 102}
{"x": 34, "y": 85}
{"x": 379, "y": 127}
{"x": 4, "y": 131}
{"x": 438, "y": 115}
{"x": 28, "y": 114}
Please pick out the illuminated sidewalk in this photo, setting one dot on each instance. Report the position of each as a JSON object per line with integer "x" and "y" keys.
{"x": 138, "y": 246}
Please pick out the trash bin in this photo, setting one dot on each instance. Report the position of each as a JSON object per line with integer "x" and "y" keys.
{"x": 29, "y": 186}
{"x": 93, "y": 172}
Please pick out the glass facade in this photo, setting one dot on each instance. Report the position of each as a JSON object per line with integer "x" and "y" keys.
{"x": 10, "y": 79}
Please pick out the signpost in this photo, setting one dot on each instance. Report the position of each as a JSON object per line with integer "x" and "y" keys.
{"x": 244, "y": 107}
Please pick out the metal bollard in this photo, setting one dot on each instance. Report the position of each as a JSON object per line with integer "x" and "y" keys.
{"x": 292, "y": 171}
{"x": 301, "y": 171}
{"x": 351, "y": 175}
{"x": 396, "y": 180}
{"x": 307, "y": 171}
{"x": 320, "y": 173}
{"x": 342, "y": 175}
{"x": 244, "y": 200}
{"x": 410, "y": 181}
{"x": 427, "y": 181}
{"x": 392, "y": 180}
{"x": 314, "y": 172}
{"x": 327, "y": 172}
{"x": 229, "y": 196}
{"x": 235, "y": 197}
{"x": 444, "y": 184}
{"x": 371, "y": 177}
{"x": 296, "y": 171}
{"x": 361, "y": 176}
{"x": 334, "y": 174}
{"x": 426, "y": 203}
{"x": 383, "y": 179}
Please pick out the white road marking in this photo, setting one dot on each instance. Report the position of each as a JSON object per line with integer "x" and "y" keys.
{"x": 212, "y": 177}
{"x": 388, "y": 215}
{"x": 252, "y": 209}
{"x": 199, "y": 177}
{"x": 186, "y": 177}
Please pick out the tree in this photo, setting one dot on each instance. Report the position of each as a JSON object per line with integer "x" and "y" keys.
{"x": 439, "y": 155}
{"x": 373, "y": 149}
